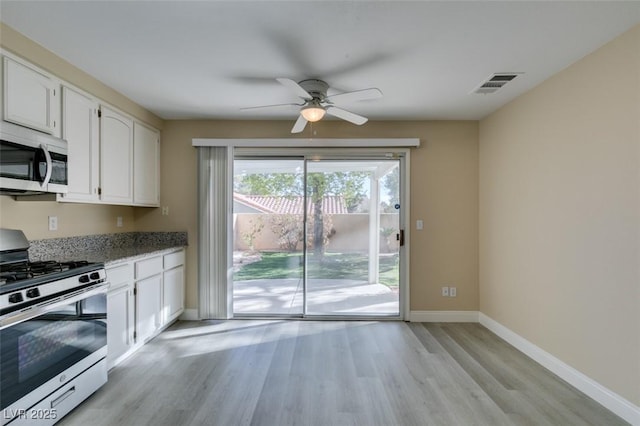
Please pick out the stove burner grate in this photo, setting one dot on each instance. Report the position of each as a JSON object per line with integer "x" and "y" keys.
{"x": 25, "y": 270}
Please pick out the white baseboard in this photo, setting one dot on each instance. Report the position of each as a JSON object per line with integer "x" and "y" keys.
{"x": 443, "y": 316}
{"x": 610, "y": 400}
{"x": 189, "y": 315}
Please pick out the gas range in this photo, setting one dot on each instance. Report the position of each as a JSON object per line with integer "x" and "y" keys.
{"x": 24, "y": 283}
{"x": 16, "y": 272}
{"x": 53, "y": 333}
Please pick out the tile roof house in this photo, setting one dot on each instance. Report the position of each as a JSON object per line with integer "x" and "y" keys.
{"x": 331, "y": 204}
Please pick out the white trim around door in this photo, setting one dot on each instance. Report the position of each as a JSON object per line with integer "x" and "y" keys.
{"x": 308, "y": 143}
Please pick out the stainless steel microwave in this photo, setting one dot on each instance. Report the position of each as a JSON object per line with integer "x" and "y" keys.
{"x": 31, "y": 162}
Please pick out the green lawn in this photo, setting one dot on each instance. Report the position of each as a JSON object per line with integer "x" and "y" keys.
{"x": 330, "y": 266}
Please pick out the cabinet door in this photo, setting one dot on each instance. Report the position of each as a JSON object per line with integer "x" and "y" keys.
{"x": 116, "y": 157}
{"x": 30, "y": 98}
{"x": 80, "y": 129}
{"x": 173, "y": 291}
{"x": 148, "y": 307}
{"x": 146, "y": 166}
{"x": 119, "y": 324}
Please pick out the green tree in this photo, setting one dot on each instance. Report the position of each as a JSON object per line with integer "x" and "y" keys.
{"x": 278, "y": 184}
{"x": 391, "y": 183}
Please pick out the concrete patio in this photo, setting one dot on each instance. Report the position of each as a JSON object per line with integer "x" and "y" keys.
{"x": 324, "y": 297}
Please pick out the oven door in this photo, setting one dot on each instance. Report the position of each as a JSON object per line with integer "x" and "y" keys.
{"x": 48, "y": 340}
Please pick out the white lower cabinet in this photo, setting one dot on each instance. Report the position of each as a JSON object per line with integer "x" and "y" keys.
{"x": 120, "y": 326}
{"x": 120, "y": 312}
{"x": 148, "y": 307}
{"x": 145, "y": 296}
{"x": 173, "y": 286}
{"x": 173, "y": 292}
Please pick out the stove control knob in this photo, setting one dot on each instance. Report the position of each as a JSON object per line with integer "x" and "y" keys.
{"x": 33, "y": 292}
{"x": 95, "y": 276}
{"x": 84, "y": 279}
{"x": 15, "y": 298}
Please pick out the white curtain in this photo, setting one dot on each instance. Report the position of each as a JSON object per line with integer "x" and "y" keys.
{"x": 215, "y": 264}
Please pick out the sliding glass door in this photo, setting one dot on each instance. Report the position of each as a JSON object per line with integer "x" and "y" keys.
{"x": 268, "y": 235}
{"x": 316, "y": 237}
{"x": 352, "y": 226}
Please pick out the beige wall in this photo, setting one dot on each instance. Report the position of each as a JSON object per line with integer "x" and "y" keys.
{"x": 73, "y": 219}
{"x": 350, "y": 232}
{"x": 560, "y": 216}
{"x": 444, "y": 179}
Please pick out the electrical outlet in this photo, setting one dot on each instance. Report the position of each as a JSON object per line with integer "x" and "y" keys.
{"x": 419, "y": 224}
{"x": 445, "y": 291}
{"x": 53, "y": 223}
{"x": 453, "y": 292}
{"x": 165, "y": 211}
{"x": 119, "y": 221}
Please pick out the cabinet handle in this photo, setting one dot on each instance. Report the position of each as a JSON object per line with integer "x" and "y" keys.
{"x": 47, "y": 156}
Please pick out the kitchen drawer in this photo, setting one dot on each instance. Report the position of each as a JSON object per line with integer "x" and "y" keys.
{"x": 148, "y": 267}
{"x": 172, "y": 260}
{"x": 120, "y": 274}
{"x": 55, "y": 406}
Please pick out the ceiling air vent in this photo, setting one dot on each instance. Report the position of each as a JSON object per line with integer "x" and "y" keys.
{"x": 495, "y": 82}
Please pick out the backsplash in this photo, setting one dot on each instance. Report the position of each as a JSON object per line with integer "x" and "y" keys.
{"x": 53, "y": 247}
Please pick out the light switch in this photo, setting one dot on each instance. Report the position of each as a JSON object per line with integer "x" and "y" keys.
{"x": 419, "y": 224}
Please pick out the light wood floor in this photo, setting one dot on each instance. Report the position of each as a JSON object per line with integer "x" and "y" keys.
{"x": 333, "y": 373}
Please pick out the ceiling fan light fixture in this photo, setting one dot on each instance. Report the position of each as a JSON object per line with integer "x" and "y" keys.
{"x": 313, "y": 113}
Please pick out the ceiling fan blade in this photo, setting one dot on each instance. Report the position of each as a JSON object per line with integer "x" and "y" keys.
{"x": 290, "y": 106}
{"x": 346, "y": 115}
{"x": 301, "y": 123}
{"x": 356, "y": 95}
{"x": 299, "y": 91}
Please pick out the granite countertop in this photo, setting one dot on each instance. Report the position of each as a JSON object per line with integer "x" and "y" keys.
{"x": 108, "y": 248}
{"x": 111, "y": 256}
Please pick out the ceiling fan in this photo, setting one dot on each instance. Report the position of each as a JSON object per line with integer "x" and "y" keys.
{"x": 316, "y": 102}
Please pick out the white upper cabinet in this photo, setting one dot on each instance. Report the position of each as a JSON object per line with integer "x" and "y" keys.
{"x": 30, "y": 98}
{"x": 113, "y": 158}
{"x": 80, "y": 127}
{"x": 116, "y": 157}
{"x": 146, "y": 166}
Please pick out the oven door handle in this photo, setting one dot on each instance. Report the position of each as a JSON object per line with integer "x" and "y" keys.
{"x": 47, "y": 174}
{"x": 52, "y": 304}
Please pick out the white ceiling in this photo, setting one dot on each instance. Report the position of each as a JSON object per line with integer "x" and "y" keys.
{"x": 207, "y": 59}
